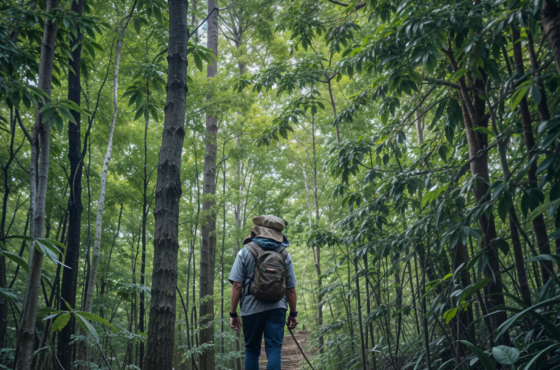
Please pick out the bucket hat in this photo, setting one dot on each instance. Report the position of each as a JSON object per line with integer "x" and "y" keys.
{"x": 268, "y": 226}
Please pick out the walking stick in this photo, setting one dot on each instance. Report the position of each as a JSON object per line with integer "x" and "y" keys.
{"x": 301, "y": 350}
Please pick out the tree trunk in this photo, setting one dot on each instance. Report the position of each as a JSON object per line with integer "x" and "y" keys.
{"x": 144, "y": 219}
{"x": 208, "y": 230}
{"x": 359, "y": 309}
{"x": 512, "y": 218}
{"x": 38, "y": 193}
{"x": 223, "y": 245}
{"x": 538, "y": 223}
{"x": 477, "y": 143}
{"x": 368, "y": 301}
{"x": 92, "y": 276}
{"x": 75, "y": 207}
{"x": 161, "y": 324}
{"x": 6, "y": 170}
{"x": 465, "y": 331}
{"x": 550, "y": 13}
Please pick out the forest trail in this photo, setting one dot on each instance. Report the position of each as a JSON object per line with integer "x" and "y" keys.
{"x": 291, "y": 356}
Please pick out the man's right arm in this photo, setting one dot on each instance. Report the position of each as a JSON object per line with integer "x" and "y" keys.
{"x": 236, "y": 292}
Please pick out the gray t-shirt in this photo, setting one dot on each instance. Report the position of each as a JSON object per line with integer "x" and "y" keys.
{"x": 244, "y": 268}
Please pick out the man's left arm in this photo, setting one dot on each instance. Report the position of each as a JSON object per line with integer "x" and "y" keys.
{"x": 291, "y": 293}
{"x": 292, "y": 301}
{"x": 236, "y": 277}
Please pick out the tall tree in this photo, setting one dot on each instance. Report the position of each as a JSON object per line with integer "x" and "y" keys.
{"x": 550, "y": 12}
{"x": 208, "y": 230}
{"x": 161, "y": 325}
{"x": 75, "y": 207}
{"x": 92, "y": 276}
{"x": 38, "y": 179}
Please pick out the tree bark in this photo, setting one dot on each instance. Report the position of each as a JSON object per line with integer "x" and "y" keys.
{"x": 38, "y": 192}
{"x": 473, "y": 110}
{"x": 208, "y": 230}
{"x": 75, "y": 207}
{"x": 6, "y": 170}
{"x": 161, "y": 324}
{"x": 143, "y": 257}
{"x": 359, "y": 309}
{"x": 513, "y": 222}
{"x": 538, "y": 223}
{"x": 550, "y": 13}
{"x": 465, "y": 331}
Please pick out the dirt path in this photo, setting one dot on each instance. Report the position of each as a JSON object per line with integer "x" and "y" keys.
{"x": 291, "y": 356}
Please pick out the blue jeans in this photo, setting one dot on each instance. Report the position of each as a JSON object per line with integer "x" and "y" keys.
{"x": 271, "y": 323}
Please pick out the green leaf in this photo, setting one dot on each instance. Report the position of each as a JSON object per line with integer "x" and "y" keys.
{"x": 86, "y": 325}
{"x": 17, "y": 259}
{"x": 488, "y": 363}
{"x": 457, "y": 75}
{"x": 536, "y": 94}
{"x": 44, "y": 250}
{"x": 543, "y": 208}
{"x": 505, "y": 355}
{"x": 534, "y": 359}
{"x": 46, "y": 311}
{"x": 60, "y": 322}
{"x": 531, "y": 310}
{"x": 24, "y": 237}
{"x": 518, "y": 96}
{"x": 503, "y": 207}
{"x": 7, "y": 294}
{"x": 91, "y": 317}
{"x": 450, "y": 314}
{"x": 483, "y": 130}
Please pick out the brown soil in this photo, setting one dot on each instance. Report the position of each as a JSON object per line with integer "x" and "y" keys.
{"x": 291, "y": 356}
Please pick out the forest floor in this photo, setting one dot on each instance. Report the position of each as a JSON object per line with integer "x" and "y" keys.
{"x": 291, "y": 356}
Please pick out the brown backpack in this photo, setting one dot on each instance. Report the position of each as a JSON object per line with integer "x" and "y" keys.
{"x": 269, "y": 281}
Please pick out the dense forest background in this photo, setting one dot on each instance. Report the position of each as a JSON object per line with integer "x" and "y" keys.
{"x": 412, "y": 146}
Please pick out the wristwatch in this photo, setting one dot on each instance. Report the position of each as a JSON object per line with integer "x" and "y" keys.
{"x": 233, "y": 315}
{"x": 293, "y": 313}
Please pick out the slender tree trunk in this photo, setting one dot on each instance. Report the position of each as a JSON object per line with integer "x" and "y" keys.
{"x": 161, "y": 324}
{"x": 477, "y": 143}
{"x": 513, "y": 222}
{"x": 38, "y": 194}
{"x": 223, "y": 246}
{"x": 144, "y": 219}
{"x": 368, "y": 300}
{"x": 538, "y": 223}
{"x": 550, "y": 13}
{"x": 465, "y": 331}
{"x": 360, "y": 323}
{"x": 92, "y": 276}
{"x": 398, "y": 302}
{"x": 75, "y": 207}
{"x": 6, "y": 170}
{"x": 208, "y": 231}
{"x": 425, "y": 312}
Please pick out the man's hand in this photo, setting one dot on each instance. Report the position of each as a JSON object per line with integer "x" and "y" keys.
{"x": 292, "y": 322}
{"x": 235, "y": 323}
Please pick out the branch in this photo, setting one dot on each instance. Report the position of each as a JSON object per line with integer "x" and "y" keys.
{"x": 441, "y": 82}
{"x": 203, "y": 21}
{"x": 27, "y": 135}
{"x": 359, "y": 6}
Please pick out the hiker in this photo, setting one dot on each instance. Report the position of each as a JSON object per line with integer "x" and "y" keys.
{"x": 264, "y": 284}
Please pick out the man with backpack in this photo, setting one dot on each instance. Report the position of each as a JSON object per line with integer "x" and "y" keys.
{"x": 264, "y": 284}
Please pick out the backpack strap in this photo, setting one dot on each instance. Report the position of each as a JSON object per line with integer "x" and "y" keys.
{"x": 254, "y": 249}
{"x": 282, "y": 250}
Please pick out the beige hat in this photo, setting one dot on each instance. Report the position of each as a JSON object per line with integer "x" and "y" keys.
{"x": 268, "y": 226}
